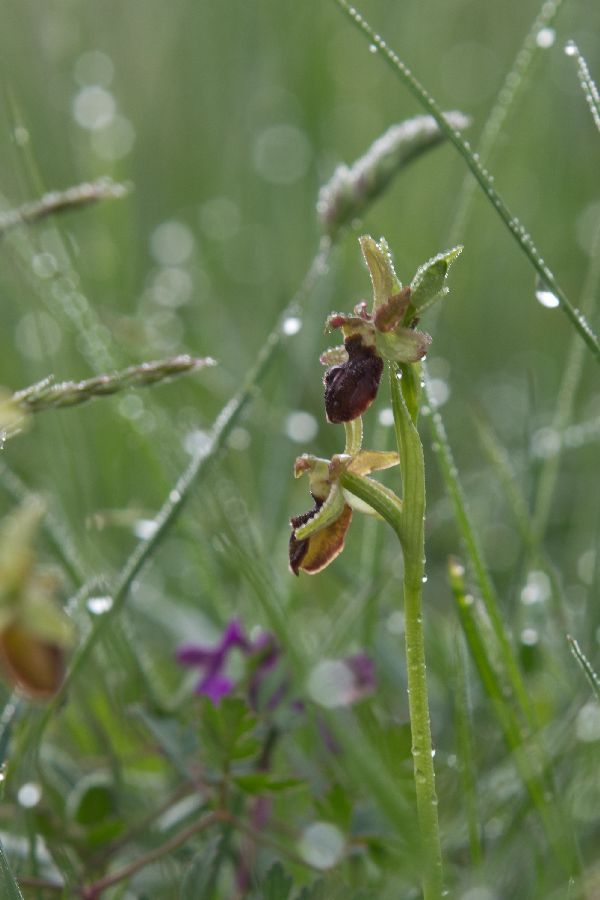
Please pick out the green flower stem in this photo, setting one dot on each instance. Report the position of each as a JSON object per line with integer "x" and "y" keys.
{"x": 413, "y": 547}
{"x": 407, "y": 521}
{"x": 482, "y": 176}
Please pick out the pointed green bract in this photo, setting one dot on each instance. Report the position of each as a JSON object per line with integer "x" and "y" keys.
{"x": 429, "y": 283}
{"x": 381, "y": 269}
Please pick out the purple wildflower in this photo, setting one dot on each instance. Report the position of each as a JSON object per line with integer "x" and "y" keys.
{"x": 213, "y": 660}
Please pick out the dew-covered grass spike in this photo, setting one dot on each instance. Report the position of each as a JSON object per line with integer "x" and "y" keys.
{"x": 60, "y": 201}
{"x": 588, "y": 86}
{"x": 351, "y": 189}
{"x": 48, "y": 395}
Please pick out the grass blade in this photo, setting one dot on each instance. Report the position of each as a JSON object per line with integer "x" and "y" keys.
{"x": 482, "y": 176}
{"x": 591, "y": 675}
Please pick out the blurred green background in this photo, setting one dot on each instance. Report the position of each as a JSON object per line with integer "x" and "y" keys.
{"x": 226, "y": 118}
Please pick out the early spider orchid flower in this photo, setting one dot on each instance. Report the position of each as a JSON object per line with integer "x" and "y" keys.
{"x": 387, "y": 333}
{"x": 318, "y": 535}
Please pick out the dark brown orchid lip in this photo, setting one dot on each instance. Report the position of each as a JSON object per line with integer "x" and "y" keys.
{"x": 351, "y": 388}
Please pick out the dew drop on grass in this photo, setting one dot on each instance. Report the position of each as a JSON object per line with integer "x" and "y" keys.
{"x": 29, "y": 795}
{"x": 145, "y": 528}
{"x": 545, "y": 37}
{"x": 291, "y": 325}
{"x": 587, "y": 726}
{"x": 301, "y": 426}
{"x": 99, "y": 605}
{"x": 547, "y": 298}
{"x": 322, "y": 845}
{"x": 529, "y": 637}
{"x": 386, "y": 417}
{"x": 571, "y": 48}
{"x": 372, "y": 48}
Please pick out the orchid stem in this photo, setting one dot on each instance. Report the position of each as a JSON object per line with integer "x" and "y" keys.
{"x": 407, "y": 520}
{"x": 413, "y": 547}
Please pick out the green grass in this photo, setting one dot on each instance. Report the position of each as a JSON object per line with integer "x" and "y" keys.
{"x": 240, "y": 113}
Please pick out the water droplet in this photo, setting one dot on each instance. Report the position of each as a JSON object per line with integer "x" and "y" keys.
{"x": 424, "y": 579}
{"x": 571, "y": 48}
{"x": 99, "y": 605}
{"x": 94, "y": 107}
{"x": 545, "y": 37}
{"x": 395, "y": 622}
{"x": 174, "y": 496}
{"x": 301, "y": 426}
{"x": 529, "y": 637}
{"x": 291, "y": 325}
{"x": 587, "y": 726}
{"x": 322, "y": 845}
{"x": 144, "y": 529}
{"x": 537, "y": 588}
{"x": 386, "y": 417}
{"x": 239, "y": 439}
{"x": 547, "y": 298}
{"x": 372, "y": 48}
{"x": 29, "y": 795}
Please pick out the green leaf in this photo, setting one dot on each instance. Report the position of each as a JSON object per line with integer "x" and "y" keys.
{"x": 277, "y": 884}
{"x": 428, "y": 285}
{"x": 227, "y": 731}
{"x": 262, "y": 783}
{"x": 9, "y": 889}
{"x": 201, "y": 875}
{"x": 92, "y": 800}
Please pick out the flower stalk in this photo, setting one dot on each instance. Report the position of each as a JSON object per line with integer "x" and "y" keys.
{"x": 386, "y": 336}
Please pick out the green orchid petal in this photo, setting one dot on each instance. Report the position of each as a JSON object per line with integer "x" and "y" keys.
{"x": 391, "y": 314}
{"x": 403, "y": 345}
{"x": 325, "y": 515}
{"x": 318, "y": 474}
{"x": 381, "y": 269}
{"x": 372, "y": 461}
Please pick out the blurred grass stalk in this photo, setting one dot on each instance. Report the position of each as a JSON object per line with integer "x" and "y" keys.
{"x": 46, "y": 394}
{"x": 560, "y": 835}
{"x": 60, "y": 201}
{"x": 588, "y": 670}
{"x": 531, "y": 766}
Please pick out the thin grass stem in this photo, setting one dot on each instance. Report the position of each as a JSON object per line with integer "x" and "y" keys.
{"x": 505, "y": 100}
{"x": 525, "y": 756}
{"x": 482, "y": 176}
{"x": 590, "y": 673}
{"x": 177, "y": 497}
